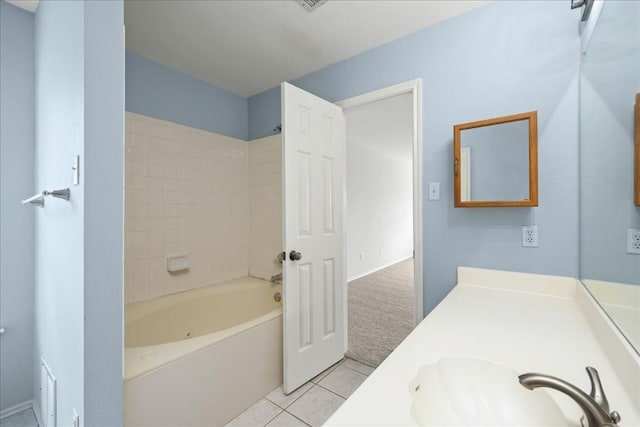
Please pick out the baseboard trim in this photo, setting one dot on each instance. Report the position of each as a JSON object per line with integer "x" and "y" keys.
{"x": 36, "y": 412}
{"x": 5, "y": 413}
{"x": 375, "y": 270}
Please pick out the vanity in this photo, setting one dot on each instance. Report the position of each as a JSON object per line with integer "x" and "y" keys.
{"x": 526, "y": 322}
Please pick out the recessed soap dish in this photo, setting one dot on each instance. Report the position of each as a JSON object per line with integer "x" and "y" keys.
{"x": 176, "y": 263}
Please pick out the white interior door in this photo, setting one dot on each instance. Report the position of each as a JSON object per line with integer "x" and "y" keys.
{"x": 313, "y": 138}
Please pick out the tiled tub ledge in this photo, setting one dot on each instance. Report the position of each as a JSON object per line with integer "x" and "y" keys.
{"x": 529, "y": 322}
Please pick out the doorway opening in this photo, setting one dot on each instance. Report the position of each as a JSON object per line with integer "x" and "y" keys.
{"x": 383, "y": 227}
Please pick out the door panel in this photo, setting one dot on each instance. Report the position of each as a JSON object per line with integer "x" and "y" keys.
{"x": 314, "y": 150}
{"x": 329, "y": 297}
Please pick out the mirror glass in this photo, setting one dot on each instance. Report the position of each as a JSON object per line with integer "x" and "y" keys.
{"x": 637, "y": 156}
{"x": 610, "y": 80}
{"x": 492, "y": 163}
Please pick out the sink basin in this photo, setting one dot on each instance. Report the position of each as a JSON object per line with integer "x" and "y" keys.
{"x": 467, "y": 391}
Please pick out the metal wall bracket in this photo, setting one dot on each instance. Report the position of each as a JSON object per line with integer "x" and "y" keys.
{"x": 586, "y": 11}
{"x": 38, "y": 199}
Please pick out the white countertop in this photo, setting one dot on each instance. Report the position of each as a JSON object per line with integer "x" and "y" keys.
{"x": 531, "y": 323}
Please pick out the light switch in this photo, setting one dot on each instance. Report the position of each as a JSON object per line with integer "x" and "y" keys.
{"x": 434, "y": 191}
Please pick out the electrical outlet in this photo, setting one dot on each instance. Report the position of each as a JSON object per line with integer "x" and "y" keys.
{"x": 633, "y": 241}
{"x": 529, "y": 236}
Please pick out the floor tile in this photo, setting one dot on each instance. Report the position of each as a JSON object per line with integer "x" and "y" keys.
{"x": 278, "y": 397}
{"x": 324, "y": 373}
{"x": 257, "y": 415}
{"x": 285, "y": 419}
{"x": 21, "y": 419}
{"x": 360, "y": 367}
{"x": 316, "y": 406}
{"x": 343, "y": 381}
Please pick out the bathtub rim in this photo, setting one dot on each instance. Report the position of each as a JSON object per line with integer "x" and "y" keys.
{"x": 179, "y": 387}
{"x": 137, "y": 309}
{"x": 141, "y": 360}
{"x": 146, "y": 359}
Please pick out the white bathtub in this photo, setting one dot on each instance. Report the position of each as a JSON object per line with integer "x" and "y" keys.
{"x": 200, "y": 358}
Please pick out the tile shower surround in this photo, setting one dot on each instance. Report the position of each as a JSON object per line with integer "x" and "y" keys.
{"x": 265, "y": 205}
{"x": 191, "y": 191}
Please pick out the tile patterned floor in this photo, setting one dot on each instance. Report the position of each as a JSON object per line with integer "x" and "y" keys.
{"x": 21, "y": 419}
{"x": 310, "y": 405}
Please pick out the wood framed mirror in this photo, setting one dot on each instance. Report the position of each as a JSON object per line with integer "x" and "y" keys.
{"x": 636, "y": 166}
{"x": 495, "y": 162}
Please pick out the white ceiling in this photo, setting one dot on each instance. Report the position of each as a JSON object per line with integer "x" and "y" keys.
{"x": 384, "y": 126}
{"x": 250, "y": 46}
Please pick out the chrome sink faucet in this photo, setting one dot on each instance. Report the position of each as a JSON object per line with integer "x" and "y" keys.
{"x": 594, "y": 405}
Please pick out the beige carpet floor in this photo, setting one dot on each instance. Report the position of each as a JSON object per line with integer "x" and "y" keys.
{"x": 381, "y": 312}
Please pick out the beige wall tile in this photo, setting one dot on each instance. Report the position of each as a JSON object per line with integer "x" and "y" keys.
{"x": 265, "y": 231}
{"x": 172, "y": 172}
{"x": 216, "y": 198}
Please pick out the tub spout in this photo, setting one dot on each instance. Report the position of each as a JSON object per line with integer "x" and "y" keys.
{"x": 276, "y": 278}
{"x": 594, "y": 406}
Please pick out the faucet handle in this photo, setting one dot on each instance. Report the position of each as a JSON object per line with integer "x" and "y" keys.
{"x": 597, "y": 393}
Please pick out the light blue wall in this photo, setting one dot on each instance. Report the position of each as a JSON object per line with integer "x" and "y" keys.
{"x": 610, "y": 80}
{"x": 165, "y": 93}
{"x": 103, "y": 211}
{"x": 503, "y": 58}
{"x": 59, "y": 290}
{"x": 16, "y": 221}
{"x": 79, "y": 84}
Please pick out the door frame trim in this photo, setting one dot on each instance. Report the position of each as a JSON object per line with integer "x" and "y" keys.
{"x": 413, "y": 87}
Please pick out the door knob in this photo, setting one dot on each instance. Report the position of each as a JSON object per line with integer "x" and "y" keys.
{"x": 295, "y": 256}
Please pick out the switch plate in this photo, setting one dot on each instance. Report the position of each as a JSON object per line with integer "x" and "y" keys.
{"x": 529, "y": 236}
{"x": 633, "y": 241}
{"x": 434, "y": 191}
